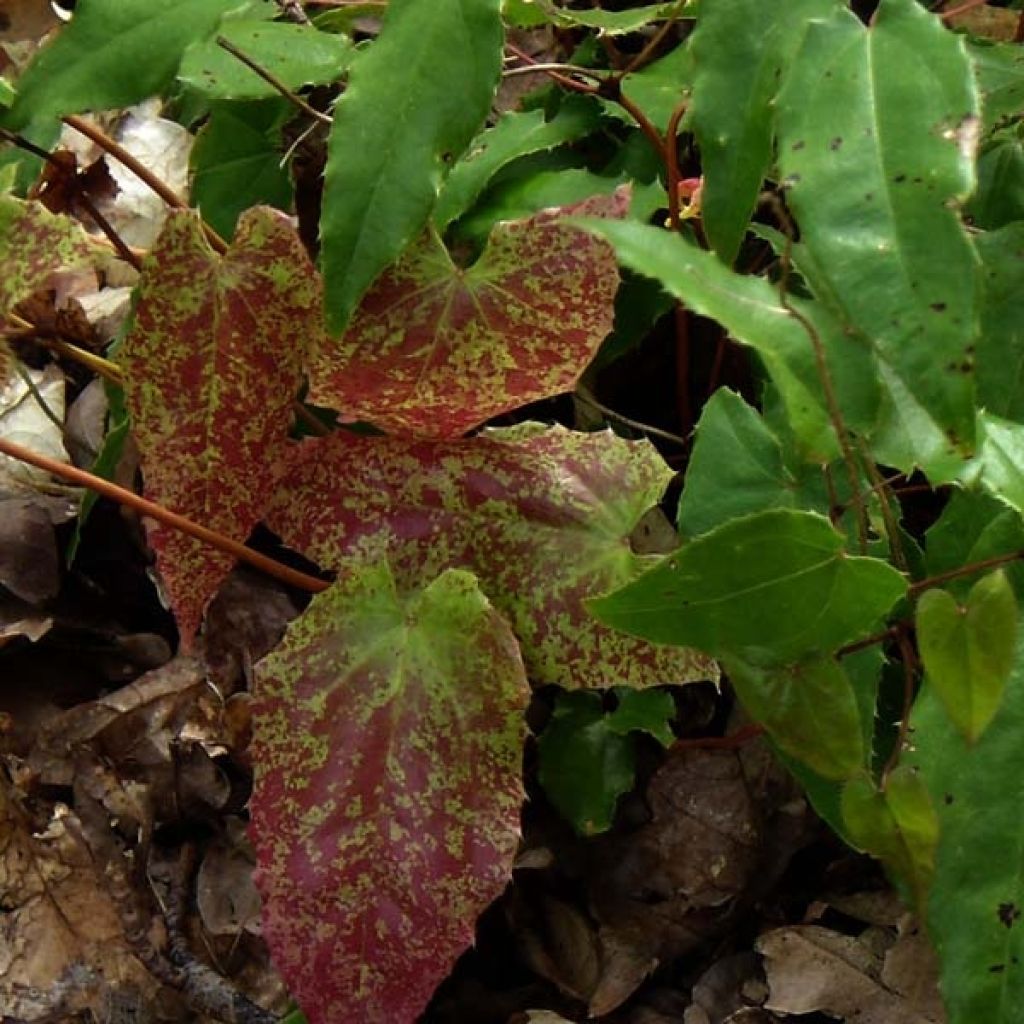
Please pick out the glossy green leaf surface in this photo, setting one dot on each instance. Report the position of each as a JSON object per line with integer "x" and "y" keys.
{"x": 296, "y": 55}
{"x": 742, "y": 50}
{"x": 542, "y": 516}
{"x": 999, "y": 464}
{"x": 212, "y": 364}
{"x": 810, "y": 710}
{"x": 435, "y": 349}
{"x": 236, "y": 162}
{"x": 587, "y": 758}
{"x": 111, "y": 54}
{"x": 405, "y": 117}
{"x": 388, "y": 744}
{"x": 658, "y": 88}
{"x": 768, "y": 589}
{"x": 516, "y": 134}
{"x": 751, "y": 310}
{"x": 899, "y": 825}
{"x": 736, "y": 467}
{"x": 968, "y": 649}
{"x": 878, "y": 129}
{"x": 999, "y": 198}
{"x": 977, "y": 898}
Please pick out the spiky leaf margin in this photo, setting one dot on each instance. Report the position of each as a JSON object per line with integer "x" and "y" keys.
{"x": 542, "y": 516}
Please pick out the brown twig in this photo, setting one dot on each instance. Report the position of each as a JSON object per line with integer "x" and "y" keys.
{"x": 143, "y": 173}
{"x": 968, "y": 5}
{"x": 673, "y": 176}
{"x": 964, "y": 570}
{"x": 909, "y": 678}
{"x": 654, "y": 42}
{"x": 588, "y": 396}
{"x": 274, "y": 82}
{"x": 173, "y": 520}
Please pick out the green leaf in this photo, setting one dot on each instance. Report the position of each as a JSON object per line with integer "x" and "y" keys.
{"x": 999, "y": 70}
{"x": 878, "y": 129}
{"x": 968, "y": 650}
{"x": 999, "y": 198}
{"x": 741, "y": 50}
{"x": 111, "y": 54}
{"x": 898, "y": 825}
{"x": 973, "y": 527}
{"x": 416, "y": 96}
{"x": 1000, "y": 352}
{"x": 586, "y": 754}
{"x": 751, "y": 310}
{"x": 610, "y": 23}
{"x": 977, "y": 897}
{"x": 515, "y": 135}
{"x": 388, "y": 731}
{"x": 999, "y": 464}
{"x": 296, "y": 55}
{"x": 736, "y": 467}
{"x": 658, "y": 88}
{"x": 236, "y": 162}
{"x": 769, "y": 589}
{"x": 810, "y": 710}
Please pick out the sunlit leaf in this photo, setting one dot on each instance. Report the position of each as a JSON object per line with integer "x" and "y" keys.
{"x": 770, "y": 589}
{"x": 415, "y": 99}
{"x": 543, "y": 517}
{"x": 112, "y": 53}
{"x": 968, "y": 650}
{"x": 388, "y": 732}
{"x": 897, "y": 824}
{"x": 897, "y": 103}
{"x": 435, "y": 350}
{"x": 742, "y": 50}
{"x": 296, "y": 55}
{"x": 212, "y": 364}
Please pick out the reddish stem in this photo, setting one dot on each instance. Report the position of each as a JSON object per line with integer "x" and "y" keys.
{"x": 81, "y": 478}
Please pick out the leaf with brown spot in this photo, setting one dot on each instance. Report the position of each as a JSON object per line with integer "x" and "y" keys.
{"x": 435, "y": 349}
{"x": 212, "y": 364}
{"x": 542, "y": 515}
{"x": 388, "y": 745}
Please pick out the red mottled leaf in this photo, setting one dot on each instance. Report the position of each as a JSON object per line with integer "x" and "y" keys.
{"x": 35, "y": 245}
{"x": 435, "y": 349}
{"x": 212, "y": 364}
{"x": 385, "y": 816}
{"x": 542, "y": 516}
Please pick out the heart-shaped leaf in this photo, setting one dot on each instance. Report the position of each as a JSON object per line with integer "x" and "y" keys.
{"x": 212, "y": 365}
{"x": 388, "y": 734}
{"x": 770, "y": 589}
{"x": 968, "y": 650}
{"x": 542, "y": 516}
{"x": 435, "y": 350}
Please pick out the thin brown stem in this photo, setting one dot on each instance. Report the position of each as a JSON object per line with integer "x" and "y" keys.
{"x": 651, "y": 47}
{"x": 881, "y": 488}
{"x": 586, "y": 395}
{"x": 673, "y": 176}
{"x": 37, "y": 396}
{"x": 612, "y": 91}
{"x": 81, "y": 478}
{"x": 968, "y": 5}
{"x": 119, "y": 153}
{"x": 1018, "y": 32}
{"x": 964, "y": 570}
{"x": 824, "y": 377}
{"x": 274, "y": 82}
{"x": 909, "y": 677}
{"x": 875, "y": 638}
{"x": 555, "y": 71}
{"x": 120, "y": 246}
{"x": 26, "y": 330}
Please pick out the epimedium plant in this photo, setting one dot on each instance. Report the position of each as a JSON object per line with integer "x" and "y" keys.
{"x": 468, "y": 266}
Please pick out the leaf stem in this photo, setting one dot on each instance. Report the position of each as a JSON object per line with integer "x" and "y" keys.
{"x": 651, "y": 47}
{"x": 143, "y": 173}
{"x": 80, "y": 477}
{"x": 964, "y": 570}
{"x": 909, "y": 673}
{"x": 586, "y": 395}
{"x": 274, "y": 82}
